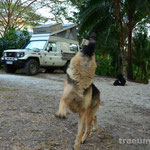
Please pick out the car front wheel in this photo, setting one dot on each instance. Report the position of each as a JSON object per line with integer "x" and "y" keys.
{"x": 31, "y": 67}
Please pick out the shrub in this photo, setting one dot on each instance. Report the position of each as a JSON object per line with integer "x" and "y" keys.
{"x": 105, "y": 66}
{"x": 13, "y": 39}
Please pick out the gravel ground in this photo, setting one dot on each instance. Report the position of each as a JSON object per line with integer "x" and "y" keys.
{"x": 28, "y": 105}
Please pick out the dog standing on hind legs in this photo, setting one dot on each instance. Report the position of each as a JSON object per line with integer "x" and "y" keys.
{"x": 80, "y": 94}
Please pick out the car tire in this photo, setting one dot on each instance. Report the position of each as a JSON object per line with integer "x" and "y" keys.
{"x": 9, "y": 69}
{"x": 31, "y": 67}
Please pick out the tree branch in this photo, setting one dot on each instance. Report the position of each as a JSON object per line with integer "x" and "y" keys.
{"x": 22, "y": 11}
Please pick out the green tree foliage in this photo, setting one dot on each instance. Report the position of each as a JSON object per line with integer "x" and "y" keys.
{"x": 135, "y": 11}
{"x": 106, "y": 68}
{"x": 13, "y": 39}
{"x": 114, "y": 22}
{"x": 108, "y": 52}
{"x": 141, "y": 55}
{"x": 18, "y": 13}
{"x": 60, "y": 10}
{"x": 98, "y": 16}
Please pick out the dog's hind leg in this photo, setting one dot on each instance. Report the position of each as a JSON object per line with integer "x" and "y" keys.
{"x": 81, "y": 124}
{"x": 94, "y": 110}
{"x": 95, "y": 126}
{"x": 89, "y": 119}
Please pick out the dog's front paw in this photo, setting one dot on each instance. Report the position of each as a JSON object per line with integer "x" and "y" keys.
{"x": 59, "y": 115}
{"x": 83, "y": 140}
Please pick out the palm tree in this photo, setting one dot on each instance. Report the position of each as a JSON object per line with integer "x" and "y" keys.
{"x": 136, "y": 11}
{"x": 101, "y": 15}
{"x": 141, "y": 54}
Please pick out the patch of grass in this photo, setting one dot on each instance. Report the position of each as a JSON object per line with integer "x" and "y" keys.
{"x": 3, "y": 89}
{"x": 8, "y": 93}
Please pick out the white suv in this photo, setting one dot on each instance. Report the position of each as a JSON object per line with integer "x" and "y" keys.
{"x": 44, "y": 51}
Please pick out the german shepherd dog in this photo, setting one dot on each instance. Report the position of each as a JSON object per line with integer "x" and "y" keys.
{"x": 80, "y": 94}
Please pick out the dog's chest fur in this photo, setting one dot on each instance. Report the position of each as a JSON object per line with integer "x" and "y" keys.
{"x": 82, "y": 70}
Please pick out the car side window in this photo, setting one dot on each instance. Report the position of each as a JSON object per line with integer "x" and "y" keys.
{"x": 73, "y": 47}
{"x": 51, "y": 47}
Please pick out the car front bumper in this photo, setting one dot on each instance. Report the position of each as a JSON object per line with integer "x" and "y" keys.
{"x": 17, "y": 63}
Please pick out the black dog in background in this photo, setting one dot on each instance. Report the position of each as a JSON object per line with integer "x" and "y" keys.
{"x": 120, "y": 80}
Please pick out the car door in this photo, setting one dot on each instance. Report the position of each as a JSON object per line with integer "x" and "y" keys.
{"x": 51, "y": 55}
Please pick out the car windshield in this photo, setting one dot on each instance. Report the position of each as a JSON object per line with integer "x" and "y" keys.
{"x": 35, "y": 45}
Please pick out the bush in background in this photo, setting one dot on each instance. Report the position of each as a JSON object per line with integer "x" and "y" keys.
{"x": 105, "y": 66}
{"x": 141, "y": 56}
{"x": 13, "y": 39}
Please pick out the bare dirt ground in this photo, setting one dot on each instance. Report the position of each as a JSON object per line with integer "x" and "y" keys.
{"x": 28, "y": 105}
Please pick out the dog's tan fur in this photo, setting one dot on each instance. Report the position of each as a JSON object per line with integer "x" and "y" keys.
{"x": 82, "y": 70}
{"x": 78, "y": 95}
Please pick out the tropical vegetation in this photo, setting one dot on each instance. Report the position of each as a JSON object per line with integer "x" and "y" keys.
{"x": 118, "y": 27}
{"x": 14, "y": 39}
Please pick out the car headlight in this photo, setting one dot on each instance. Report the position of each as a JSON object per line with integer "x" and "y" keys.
{"x": 20, "y": 54}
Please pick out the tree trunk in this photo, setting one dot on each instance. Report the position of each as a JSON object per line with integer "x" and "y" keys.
{"x": 130, "y": 71}
{"x": 120, "y": 21}
{"x": 124, "y": 71}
